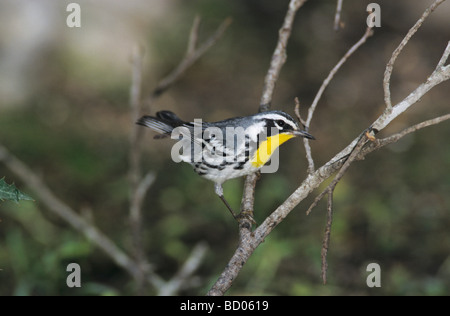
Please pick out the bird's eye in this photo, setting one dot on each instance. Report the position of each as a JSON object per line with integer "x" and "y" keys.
{"x": 281, "y": 123}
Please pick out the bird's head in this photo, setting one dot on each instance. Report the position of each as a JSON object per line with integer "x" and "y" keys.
{"x": 278, "y": 122}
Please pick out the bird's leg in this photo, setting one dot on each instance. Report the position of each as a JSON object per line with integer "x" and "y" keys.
{"x": 219, "y": 191}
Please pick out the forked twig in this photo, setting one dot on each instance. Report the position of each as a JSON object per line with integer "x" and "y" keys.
{"x": 398, "y": 50}
{"x": 368, "y": 33}
{"x": 352, "y": 157}
{"x": 193, "y": 53}
{"x": 440, "y": 74}
{"x": 396, "y": 137}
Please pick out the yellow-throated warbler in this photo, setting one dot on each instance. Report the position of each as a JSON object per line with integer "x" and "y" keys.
{"x": 227, "y": 149}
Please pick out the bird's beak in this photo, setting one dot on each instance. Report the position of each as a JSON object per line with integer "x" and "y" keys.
{"x": 303, "y": 134}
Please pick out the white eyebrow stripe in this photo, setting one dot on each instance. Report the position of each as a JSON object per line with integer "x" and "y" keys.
{"x": 276, "y": 117}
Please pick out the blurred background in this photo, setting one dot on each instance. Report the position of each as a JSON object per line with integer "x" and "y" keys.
{"x": 64, "y": 111}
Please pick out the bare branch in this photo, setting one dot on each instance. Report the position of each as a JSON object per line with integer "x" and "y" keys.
{"x": 247, "y": 204}
{"x": 352, "y": 151}
{"x": 137, "y": 198}
{"x": 297, "y": 112}
{"x": 313, "y": 181}
{"x": 309, "y": 157}
{"x": 444, "y": 57}
{"x": 327, "y": 236}
{"x": 279, "y": 55}
{"x": 135, "y": 105}
{"x": 348, "y": 161}
{"x": 337, "y": 17}
{"x": 187, "y": 270}
{"x": 138, "y": 185}
{"x": 249, "y": 241}
{"x": 134, "y": 173}
{"x": 140, "y": 270}
{"x": 144, "y": 185}
{"x": 363, "y": 148}
{"x": 193, "y": 53}
{"x": 414, "y": 128}
{"x": 362, "y": 40}
{"x": 193, "y": 37}
{"x": 62, "y": 210}
{"x": 439, "y": 75}
{"x": 243, "y": 252}
{"x": 278, "y": 59}
{"x": 326, "y": 82}
{"x": 396, "y": 137}
{"x": 397, "y": 51}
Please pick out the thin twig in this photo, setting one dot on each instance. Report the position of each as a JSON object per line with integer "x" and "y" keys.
{"x": 134, "y": 173}
{"x": 325, "y": 83}
{"x": 309, "y": 157}
{"x": 396, "y": 137}
{"x": 352, "y": 157}
{"x": 358, "y": 153}
{"x": 193, "y": 37}
{"x": 186, "y": 271}
{"x": 193, "y": 53}
{"x": 297, "y": 112}
{"x": 137, "y": 198}
{"x": 334, "y": 164}
{"x": 397, "y": 51}
{"x": 327, "y": 236}
{"x": 337, "y": 16}
{"x": 135, "y": 106}
{"x": 444, "y": 57}
{"x": 279, "y": 55}
{"x": 439, "y": 75}
{"x": 55, "y": 205}
{"x": 143, "y": 186}
{"x": 368, "y": 33}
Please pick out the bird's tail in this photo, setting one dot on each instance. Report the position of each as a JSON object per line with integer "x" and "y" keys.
{"x": 163, "y": 123}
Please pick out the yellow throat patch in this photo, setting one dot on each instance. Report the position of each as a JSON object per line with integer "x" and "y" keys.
{"x": 267, "y": 147}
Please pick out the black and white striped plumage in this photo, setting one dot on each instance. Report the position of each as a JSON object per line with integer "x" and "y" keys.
{"x": 226, "y": 149}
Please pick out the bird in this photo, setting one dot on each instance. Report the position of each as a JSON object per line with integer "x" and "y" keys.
{"x": 223, "y": 150}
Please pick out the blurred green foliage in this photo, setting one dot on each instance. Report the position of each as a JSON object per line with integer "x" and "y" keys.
{"x": 11, "y": 193}
{"x": 72, "y": 127}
